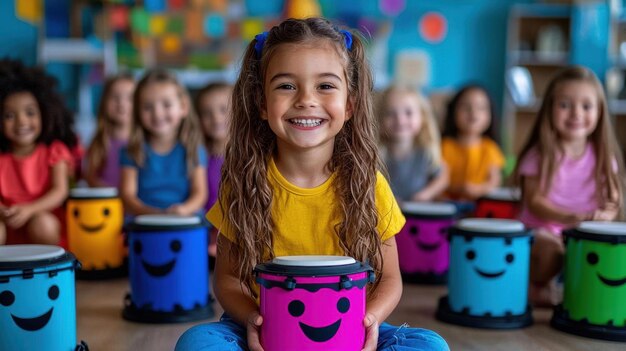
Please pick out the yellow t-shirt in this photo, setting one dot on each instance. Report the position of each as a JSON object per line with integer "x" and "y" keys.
{"x": 470, "y": 164}
{"x": 305, "y": 219}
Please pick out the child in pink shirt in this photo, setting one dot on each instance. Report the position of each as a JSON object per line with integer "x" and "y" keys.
{"x": 570, "y": 170}
{"x": 35, "y": 157}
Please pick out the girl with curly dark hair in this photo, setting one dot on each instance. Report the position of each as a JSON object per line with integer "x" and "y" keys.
{"x": 35, "y": 160}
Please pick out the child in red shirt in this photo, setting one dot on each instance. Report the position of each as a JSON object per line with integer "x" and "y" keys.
{"x": 35, "y": 158}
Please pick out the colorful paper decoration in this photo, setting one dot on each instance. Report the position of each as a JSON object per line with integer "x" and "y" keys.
{"x": 158, "y": 25}
{"x": 433, "y": 27}
{"x": 214, "y": 26}
{"x": 118, "y": 17}
{"x": 392, "y": 7}
{"x": 170, "y": 44}
{"x": 140, "y": 21}
{"x": 218, "y": 5}
{"x": 198, "y": 4}
{"x": 302, "y": 9}
{"x": 175, "y": 4}
{"x": 29, "y": 10}
{"x": 176, "y": 25}
{"x": 193, "y": 26}
{"x": 251, "y": 27}
{"x": 154, "y": 5}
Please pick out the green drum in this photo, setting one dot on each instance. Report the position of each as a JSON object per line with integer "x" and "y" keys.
{"x": 594, "y": 301}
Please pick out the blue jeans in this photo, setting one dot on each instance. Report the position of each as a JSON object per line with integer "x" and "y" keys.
{"x": 227, "y": 335}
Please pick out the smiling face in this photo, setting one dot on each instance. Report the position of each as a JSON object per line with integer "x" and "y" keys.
{"x": 306, "y": 96}
{"x": 162, "y": 109}
{"x": 423, "y": 246}
{"x": 312, "y": 320}
{"x": 575, "y": 111}
{"x": 119, "y": 104}
{"x": 473, "y": 113}
{"x": 21, "y": 120}
{"x": 213, "y": 113}
{"x": 595, "y": 281}
{"x": 403, "y": 117}
{"x": 94, "y": 232}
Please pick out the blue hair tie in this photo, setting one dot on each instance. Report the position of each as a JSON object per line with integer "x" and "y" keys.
{"x": 260, "y": 42}
{"x": 347, "y": 37}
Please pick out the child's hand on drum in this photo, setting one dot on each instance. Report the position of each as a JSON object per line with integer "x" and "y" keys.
{"x": 371, "y": 332}
{"x": 254, "y": 325}
{"x": 608, "y": 213}
{"x": 178, "y": 209}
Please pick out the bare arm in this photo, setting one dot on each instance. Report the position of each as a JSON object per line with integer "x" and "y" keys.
{"x": 92, "y": 178}
{"x": 387, "y": 295}
{"x": 475, "y": 191}
{"x": 128, "y": 193}
{"x": 435, "y": 187}
{"x": 539, "y": 205}
{"x": 197, "y": 194}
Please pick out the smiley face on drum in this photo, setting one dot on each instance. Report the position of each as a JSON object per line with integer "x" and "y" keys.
{"x": 490, "y": 273}
{"x": 608, "y": 272}
{"x": 323, "y": 333}
{"x": 37, "y": 322}
{"x": 94, "y": 232}
{"x": 158, "y": 270}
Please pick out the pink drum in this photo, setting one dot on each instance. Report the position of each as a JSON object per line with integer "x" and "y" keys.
{"x": 423, "y": 249}
{"x": 313, "y": 303}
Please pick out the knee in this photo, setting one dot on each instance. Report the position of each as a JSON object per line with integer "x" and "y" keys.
{"x": 206, "y": 337}
{"x": 425, "y": 339}
{"x": 44, "y": 228}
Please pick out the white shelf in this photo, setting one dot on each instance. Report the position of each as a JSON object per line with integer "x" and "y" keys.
{"x": 534, "y": 58}
{"x": 195, "y": 78}
{"x": 71, "y": 50}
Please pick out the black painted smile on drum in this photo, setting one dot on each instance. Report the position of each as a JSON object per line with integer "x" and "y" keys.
{"x": 428, "y": 247}
{"x": 33, "y": 324}
{"x": 321, "y": 334}
{"x": 611, "y": 282}
{"x": 489, "y": 275}
{"x": 91, "y": 228}
{"x": 160, "y": 270}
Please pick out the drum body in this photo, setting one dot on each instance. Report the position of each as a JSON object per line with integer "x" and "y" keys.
{"x": 423, "y": 249}
{"x": 37, "y": 298}
{"x": 168, "y": 270}
{"x": 488, "y": 277}
{"x": 313, "y": 303}
{"x": 94, "y": 227}
{"x": 594, "y": 299}
{"x": 500, "y": 203}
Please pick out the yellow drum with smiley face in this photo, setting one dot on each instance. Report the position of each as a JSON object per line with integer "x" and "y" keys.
{"x": 94, "y": 229}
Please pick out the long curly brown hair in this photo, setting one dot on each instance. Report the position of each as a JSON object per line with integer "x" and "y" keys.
{"x": 246, "y": 196}
{"x": 545, "y": 139}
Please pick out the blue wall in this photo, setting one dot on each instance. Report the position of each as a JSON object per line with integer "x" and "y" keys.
{"x": 18, "y": 39}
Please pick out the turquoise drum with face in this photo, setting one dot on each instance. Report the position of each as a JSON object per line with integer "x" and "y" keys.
{"x": 488, "y": 276}
{"x": 37, "y": 298}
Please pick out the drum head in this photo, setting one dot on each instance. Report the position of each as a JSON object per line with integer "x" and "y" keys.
{"x": 93, "y": 193}
{"x": 313, "y": 261}
{"x": 489, "y": 227}
{"x": 504, "y": 194}
{"x": 614, "y": 232}
{"x": 429, "y": 209}
{"x": 21, "y": 253}
{"x": 167, "y": 220}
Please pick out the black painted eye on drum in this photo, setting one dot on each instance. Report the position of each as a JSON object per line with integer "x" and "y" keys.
{"x": 137, "y": 247}
{"x": 106, "y": 212}
{"x": 176, "y": 246}
{"x": 470, "y": 254}
{"x": 7, "y": 298}
{"x": 443, "y": 231}
{"x": 53, "y": 292}
{"x": 296, "y": 308}
{"x": 414, "y": 230}
{"x": 76, "y": 213}
{"x": 343, "y": 305}
{"x": 592, "y": 258}
{"x": 509, "y": 258}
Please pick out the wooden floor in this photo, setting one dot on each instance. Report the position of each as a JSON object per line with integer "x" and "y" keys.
{"x": 100, "y": 324}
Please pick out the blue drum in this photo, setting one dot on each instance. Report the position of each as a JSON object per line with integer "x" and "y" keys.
{"x": 168, "y": 270}
{"x": 37, "y": 298}
{"x": 488, "y": 276}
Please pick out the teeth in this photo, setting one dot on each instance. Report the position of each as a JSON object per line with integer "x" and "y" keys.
{"x": 306, "y": 122}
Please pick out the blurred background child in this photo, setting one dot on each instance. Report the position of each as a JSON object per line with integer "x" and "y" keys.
{"x": 570, "y": 170}
{"x": 112, "y": 133}
{"x": 164, "y": 164}
{"x": 212, "y": 107}
{"x": 35, "y": 160}
{"x": 474, "y": 159}
{"x": 411, "y": 146}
